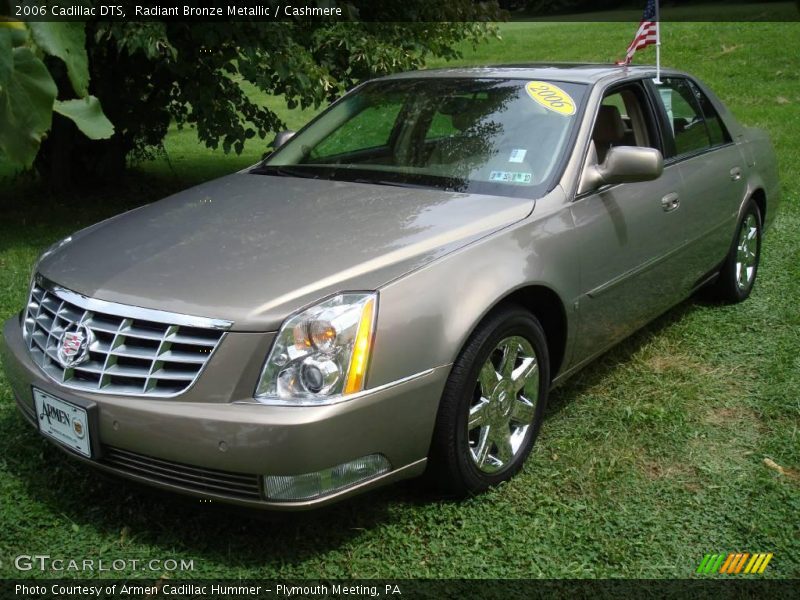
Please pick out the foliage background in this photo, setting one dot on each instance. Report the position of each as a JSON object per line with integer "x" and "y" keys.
{"x": 150, "y": 74}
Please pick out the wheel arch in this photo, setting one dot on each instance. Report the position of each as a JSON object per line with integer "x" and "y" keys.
{"x": 548, "y": 308}
{"x": 759, "y": 196}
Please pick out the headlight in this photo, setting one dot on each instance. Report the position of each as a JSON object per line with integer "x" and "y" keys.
{"x": 322, "y": 353}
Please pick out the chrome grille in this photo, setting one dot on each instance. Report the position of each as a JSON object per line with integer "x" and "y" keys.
{"x": 127, "y": 354}
{"x": 223, "y": 483}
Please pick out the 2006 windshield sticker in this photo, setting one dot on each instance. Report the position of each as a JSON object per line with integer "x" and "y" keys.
{"x": 551, "y": 97}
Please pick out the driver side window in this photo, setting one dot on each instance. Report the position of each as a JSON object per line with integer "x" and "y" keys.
{"x": 623, "y": 120}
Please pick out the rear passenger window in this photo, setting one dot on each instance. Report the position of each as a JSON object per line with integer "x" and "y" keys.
{"x": 684, "y": 116}
{"x": 716, "y": 128}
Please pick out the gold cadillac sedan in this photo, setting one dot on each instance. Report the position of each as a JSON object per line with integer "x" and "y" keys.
{"x": 396, "y": 288}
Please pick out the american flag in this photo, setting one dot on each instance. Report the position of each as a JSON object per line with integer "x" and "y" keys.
{"x": 647, "y": 33}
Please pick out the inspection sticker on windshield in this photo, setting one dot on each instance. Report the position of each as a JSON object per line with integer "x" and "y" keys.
{"x": 517, "y": 155}
{"x": 510, "y": 177}
{"x": 551, "y": 97}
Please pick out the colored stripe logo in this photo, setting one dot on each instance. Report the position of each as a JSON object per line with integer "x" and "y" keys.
{"x": 735, "y": 563}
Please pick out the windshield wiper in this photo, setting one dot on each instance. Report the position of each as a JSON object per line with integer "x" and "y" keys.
{"x": 394, "y": 183}
{"x": 285, "y": 172}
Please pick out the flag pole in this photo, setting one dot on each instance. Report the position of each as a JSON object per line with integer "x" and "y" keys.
{"x": 658, "y": 45}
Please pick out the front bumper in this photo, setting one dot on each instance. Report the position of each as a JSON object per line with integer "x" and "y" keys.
{"x": 222, "y": 450}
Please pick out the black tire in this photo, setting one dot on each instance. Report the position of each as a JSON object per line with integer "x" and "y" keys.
{"x": 452, "y": 467}
{"x": 728, "y": 287}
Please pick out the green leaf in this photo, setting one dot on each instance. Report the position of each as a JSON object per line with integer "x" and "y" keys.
{"x": 88, "y": 115}
{"x": 26, "y": 107}
{"x": 6, "y": 59}
{"x": 16, "y": 30}
{"x": 67, "y": 41}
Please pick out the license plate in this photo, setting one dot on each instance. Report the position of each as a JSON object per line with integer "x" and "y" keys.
{"x": 63, "y": 421}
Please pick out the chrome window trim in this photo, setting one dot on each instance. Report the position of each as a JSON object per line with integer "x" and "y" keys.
{"x": 679, "y": 158}
{"x": 336, "y": 399}
{"x": 130, "y": 311}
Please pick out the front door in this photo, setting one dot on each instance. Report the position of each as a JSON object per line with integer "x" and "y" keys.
{"x": 629, "y": 234}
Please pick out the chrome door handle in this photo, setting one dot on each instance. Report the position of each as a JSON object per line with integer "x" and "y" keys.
{"x": 736, "y": 173}
{"x": 670, "y": 202}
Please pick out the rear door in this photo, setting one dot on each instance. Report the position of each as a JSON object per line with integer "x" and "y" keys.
{"x": 711, "y": 166}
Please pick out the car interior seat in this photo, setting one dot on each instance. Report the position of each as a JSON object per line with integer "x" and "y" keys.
{"x": 609, "y": 131}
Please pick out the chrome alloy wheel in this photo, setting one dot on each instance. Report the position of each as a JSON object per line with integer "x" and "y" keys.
{"x": 504, "y": 404}
{"x": 747, "y": 252}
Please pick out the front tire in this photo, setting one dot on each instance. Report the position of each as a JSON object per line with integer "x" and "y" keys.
{"x": 738, "y": 273}
{"x": 493, "y": 403}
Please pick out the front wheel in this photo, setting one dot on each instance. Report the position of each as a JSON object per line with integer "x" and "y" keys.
{"x": 738, "y": 274}
{"x": 492, "y": 406}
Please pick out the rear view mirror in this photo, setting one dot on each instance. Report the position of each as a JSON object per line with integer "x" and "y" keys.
{"x": 282, "y": 137}
{"x": 624, "y": 164}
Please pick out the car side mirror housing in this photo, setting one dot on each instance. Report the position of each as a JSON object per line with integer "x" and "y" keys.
{"x": 281, "y": 138}
{"x": 624, "y": 164}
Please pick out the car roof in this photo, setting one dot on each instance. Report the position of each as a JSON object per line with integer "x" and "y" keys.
{"x": 590, "y": 73}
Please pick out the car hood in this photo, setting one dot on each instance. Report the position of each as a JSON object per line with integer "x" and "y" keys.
{"x": 252, "y": 249}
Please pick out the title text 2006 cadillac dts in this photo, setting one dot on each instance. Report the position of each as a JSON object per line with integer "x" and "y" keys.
{"x": 395, "y": 288}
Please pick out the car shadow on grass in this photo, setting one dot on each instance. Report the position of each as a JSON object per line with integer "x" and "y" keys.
{"x": 593, "y": 373}
{"x": 63, "y": 489}
{"x": 224, "y": 536}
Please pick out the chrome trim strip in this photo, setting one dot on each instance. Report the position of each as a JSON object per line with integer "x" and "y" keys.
{"x": 679, "y": 158}
{"x": 130, "y": 311}
{"x": 637, "y": 270}
{"x": 336, "y": 399}
{"x": 649, "y": 264}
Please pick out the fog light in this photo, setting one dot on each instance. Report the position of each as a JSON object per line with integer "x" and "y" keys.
{"x": 321, "y": 483}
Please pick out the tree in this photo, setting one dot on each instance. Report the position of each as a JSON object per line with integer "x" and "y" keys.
{"x": 149, "y": 74}
{"x": 28, "y": 93}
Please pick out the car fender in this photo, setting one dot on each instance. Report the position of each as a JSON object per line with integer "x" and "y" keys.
{"x": 762, "y": 172}
{"x": 425, "y": 318}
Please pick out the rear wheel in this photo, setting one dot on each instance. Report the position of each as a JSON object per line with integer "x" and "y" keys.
{"x": 492, "y": 406}
{"x": 738, "y": 274}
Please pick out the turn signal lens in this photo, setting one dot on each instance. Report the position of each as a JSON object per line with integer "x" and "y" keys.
{"x": 358, "y": 364}
{"x": 323, "y": 335}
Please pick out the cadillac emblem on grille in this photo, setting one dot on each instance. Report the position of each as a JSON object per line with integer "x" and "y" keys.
{"x": 73, "y": 346}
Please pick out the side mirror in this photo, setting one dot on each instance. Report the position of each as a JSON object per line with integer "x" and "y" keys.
{"x": 282, "y": 137}
{"x": 624, "y": 164}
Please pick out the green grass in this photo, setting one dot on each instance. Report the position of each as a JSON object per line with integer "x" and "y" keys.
{"x": 649, "y": 459}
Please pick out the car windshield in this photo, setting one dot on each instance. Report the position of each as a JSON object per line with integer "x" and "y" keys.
{"x": 485, "y": 136}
